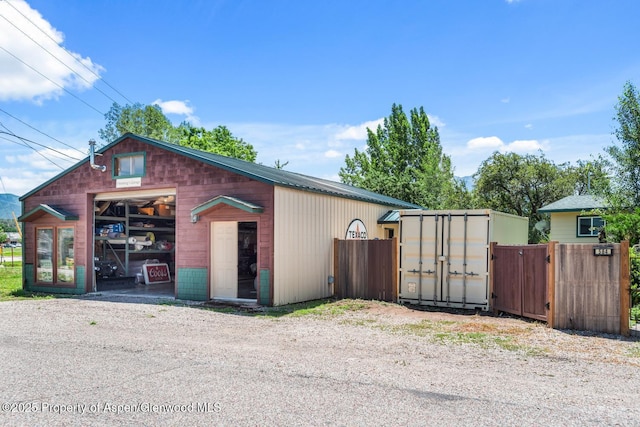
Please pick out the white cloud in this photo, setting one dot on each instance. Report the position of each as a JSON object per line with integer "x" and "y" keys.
{"x": 524, "y": 146}
{"x": 174, "y": 107}
{"x": 483, "y": 143}
{"x": 180, "y": 108}
{"x": 332, "y": 154}
{"x": 49, "y": 159}
{"x": 528, "y": 126}
{"x": 27, "y": 47}
{"x": 494, "y": 143}
{"x": 359, "y": 132}
{"x": 505, "y": 100}
{"x": 436, "y": 121}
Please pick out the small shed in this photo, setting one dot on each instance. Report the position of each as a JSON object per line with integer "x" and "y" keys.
{"x": 207, "y": 226}
{"x": 571, "y": 220}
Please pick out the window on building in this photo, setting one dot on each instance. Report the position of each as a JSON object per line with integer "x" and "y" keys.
{"x": 129, "y": 165}
{"x": 55, "y": 257}
{"x": 589, "y": 226}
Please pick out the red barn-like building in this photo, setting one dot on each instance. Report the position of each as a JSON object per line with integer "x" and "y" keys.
{"x": 215, "y": 227}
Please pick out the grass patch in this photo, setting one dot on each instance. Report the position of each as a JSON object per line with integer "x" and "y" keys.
{"x": 359, "y": 322}
{"x": 11, "y": 284}
{"x": 634, "y": 351}
{"x": 423, "y": 328}
{"x": 448, "y": 332}
{"x": 319, "y": 308}
{"x": 328, "y": 308}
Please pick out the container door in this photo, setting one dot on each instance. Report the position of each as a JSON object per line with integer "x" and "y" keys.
{"x": 224, "y": 259}
{"x": 420, "y": 266}
{"x": 465, "y": 252}
{"x": 444, "y": 259}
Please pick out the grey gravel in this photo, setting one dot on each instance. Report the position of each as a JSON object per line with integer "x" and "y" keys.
{"x": 362, "y": 367}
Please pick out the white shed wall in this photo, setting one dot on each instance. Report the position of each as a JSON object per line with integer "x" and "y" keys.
{"x": 305, "y": 225}
{"x": 564, "y": 228}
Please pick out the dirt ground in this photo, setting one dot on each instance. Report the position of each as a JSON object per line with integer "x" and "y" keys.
{"x": 87, "y": 361}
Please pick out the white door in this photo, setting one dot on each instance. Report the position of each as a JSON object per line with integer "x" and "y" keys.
{"x": 224, "y": 259}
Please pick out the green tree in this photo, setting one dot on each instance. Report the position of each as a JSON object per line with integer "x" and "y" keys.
{"x": 404, "y": 159}
{"x": 143, "y": 120}
{"x": 219, "y": 140}
{"x": 520, "y": 185}
{"x": 590, "y": 177}
{"x": 150, "y": 122}
{"x": 626, "y": 156}
{"x": 3, "y": 236}
{"x": 623, "y": 216}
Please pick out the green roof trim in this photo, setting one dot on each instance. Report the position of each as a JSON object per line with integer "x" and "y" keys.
{"x": 43, "y": 209}
{"x": 227, "y": 200}
{"x": 575, "y": 204}
{"x": 257, "y": 172}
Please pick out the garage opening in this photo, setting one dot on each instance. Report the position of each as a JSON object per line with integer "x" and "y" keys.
{"x": 247, "y": 260}
{"x": 134, "y": 243}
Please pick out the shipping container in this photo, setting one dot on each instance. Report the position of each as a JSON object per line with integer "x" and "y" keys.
{"x": 444, "y": 255}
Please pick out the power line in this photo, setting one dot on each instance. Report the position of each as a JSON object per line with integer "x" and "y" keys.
{"x": 25, "y": 142}
{"x": 39, "y": 131}
{"x": 57, "y": 59}
{"x": 23, "y": 139}
{"x": 69, "y": 53}
{"x": 28, "y": 146}
{"x": 60, "y": 86}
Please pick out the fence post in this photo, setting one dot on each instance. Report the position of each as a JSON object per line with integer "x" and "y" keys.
{"x": 492, "y": 247}
{"x": 625, "y": 288}
{"x": 336, "y": 268}
{"x": 551, "y": 283}
{"x": 394, "y": 269}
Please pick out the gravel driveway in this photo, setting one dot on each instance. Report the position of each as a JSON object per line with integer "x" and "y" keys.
{"x": 90, "y": 362}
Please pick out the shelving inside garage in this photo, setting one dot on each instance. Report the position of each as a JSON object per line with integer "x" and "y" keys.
{"x": 129, "y": 233}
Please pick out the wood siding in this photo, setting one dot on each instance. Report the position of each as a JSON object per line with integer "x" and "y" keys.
{"x": 195, "y": 182}
{"x": 305, "y": 225}
{"x": 564, "y": 228}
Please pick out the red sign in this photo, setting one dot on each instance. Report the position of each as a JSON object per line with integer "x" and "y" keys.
{"x": 156, "y": 273}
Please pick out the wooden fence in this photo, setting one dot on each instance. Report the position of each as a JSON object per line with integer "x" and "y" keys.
{"x": 591, "y": 289}
{"x": 520, "y": 280}
{"x": 366, "y": 269}
{"x": 570, "y": 285}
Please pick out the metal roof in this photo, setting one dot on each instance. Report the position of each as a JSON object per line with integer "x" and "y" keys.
{"x": 575, "y": 204}
{"x": 391, "y": 217}
{"x": 43, "y": 209}
{"x": 227, "y": 200}
{"x": 258, "y": 172}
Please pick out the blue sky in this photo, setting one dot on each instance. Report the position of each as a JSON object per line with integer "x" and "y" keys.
{"x": 302, "y": 80}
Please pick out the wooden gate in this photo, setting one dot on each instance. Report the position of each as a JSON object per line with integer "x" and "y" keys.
{"x": 366, "y": 269}
{"x": 521, "y": 280}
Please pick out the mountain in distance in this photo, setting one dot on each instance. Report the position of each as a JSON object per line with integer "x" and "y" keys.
{"x": 9, "y": 203}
